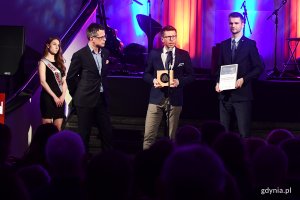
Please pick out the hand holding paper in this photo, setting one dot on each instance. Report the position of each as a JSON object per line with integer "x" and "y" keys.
{"x": 228, "y": 76}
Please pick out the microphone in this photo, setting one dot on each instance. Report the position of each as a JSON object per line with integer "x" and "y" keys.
{"x": 244, "y": 4}
{"x": 283, "y": 2}
{"x": 170, "y": 56}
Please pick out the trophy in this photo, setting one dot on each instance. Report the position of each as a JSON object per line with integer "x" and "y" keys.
{"x": 163, "y": 77}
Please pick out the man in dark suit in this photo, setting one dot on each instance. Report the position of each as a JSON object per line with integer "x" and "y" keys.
{"x": 162, "y": 98}
{"x": 242, "y": 51}
{"x": 87, "y": 85}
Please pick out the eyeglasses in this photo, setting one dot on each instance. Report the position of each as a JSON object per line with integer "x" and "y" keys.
{"x": 171, "y": 37}
{"x": 100, "y": 37}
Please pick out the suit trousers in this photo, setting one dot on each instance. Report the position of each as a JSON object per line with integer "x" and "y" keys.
{"x": 241, "y": 111}
{"x": 98, "y": 116}
{"x": 153, "y": 120}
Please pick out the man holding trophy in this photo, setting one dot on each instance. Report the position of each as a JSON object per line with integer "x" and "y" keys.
{"x": 169, "y": 69}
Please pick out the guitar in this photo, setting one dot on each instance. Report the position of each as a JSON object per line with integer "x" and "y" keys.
{"x": 113, "y": 44}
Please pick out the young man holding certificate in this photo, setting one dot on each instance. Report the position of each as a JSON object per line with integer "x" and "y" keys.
{"x": 239, "y": 64}
{"x": 169, "y": 69}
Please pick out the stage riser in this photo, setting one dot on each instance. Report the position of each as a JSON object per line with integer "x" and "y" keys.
{"x": 274, "y": 101}
{"x": 276, "y": 105}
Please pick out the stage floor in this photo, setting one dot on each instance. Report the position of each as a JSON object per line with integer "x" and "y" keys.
{"x": 276, "y": 105}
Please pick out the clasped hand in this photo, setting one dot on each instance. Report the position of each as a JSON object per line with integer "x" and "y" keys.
{"x": 59, "y": 101}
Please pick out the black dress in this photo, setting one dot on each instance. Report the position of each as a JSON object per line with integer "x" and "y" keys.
{"x": 48, "y": 107}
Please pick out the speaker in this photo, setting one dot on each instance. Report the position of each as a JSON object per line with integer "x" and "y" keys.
{"x": 214, "y": 59}
{"x": 12, "y": 44}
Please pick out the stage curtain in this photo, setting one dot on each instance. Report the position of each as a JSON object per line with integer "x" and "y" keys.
{"x": 292, "y": 24}
{"x": 186, "y": 17}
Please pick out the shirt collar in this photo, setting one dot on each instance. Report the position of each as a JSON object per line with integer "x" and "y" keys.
{"x": 237, "y": 39}
{"x": 165, "y": 50}
{"x": 92, "y": 50}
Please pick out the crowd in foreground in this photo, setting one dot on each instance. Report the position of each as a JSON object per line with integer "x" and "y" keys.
{"x": 201, "y": 163}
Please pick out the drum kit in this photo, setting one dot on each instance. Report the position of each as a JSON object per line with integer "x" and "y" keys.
{"x": 148, "y": 25}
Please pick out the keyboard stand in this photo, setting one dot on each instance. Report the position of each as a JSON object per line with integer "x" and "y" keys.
{"x": 292, "y": 59}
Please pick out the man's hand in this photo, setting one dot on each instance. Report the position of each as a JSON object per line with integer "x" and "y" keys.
{"x": 175, "y": 83}
{"x": 239, "y": 83}
{"x": 156, "y": 84}
{"x": 217, "y": 88}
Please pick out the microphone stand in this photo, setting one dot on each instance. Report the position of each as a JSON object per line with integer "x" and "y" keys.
{"x": 150, "y": 28}
{"x": 168, "y": 102}
{"x": 137, "y": 2}
{"x": 246, "y": 17}
{"x": 275, "y": 72}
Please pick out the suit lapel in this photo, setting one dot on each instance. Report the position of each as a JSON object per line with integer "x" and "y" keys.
{"x": 104, "y": 56}
{"x": 90, "y": 57}
{"x": 240, "y": 46}
{"x": 177, "y": 58}
{"x": 228, "y": 49}
{"x": 160, "y": 64}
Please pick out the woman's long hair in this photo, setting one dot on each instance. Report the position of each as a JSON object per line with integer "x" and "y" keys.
{"x": 58, "y": 57}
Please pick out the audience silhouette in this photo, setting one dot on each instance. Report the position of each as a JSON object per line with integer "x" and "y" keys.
{"x": 109, "y": 176}
{"x": 147, "y": 169}
{"x": 35, "y": 153}
{"x": 278, "y": 135}
{"x": 187, "y": 135}
{"x": 65, "y": 153}
{"x": 205, "y": 163}
{"x": 210, "y": 130}
{"x": 193, "y": 172}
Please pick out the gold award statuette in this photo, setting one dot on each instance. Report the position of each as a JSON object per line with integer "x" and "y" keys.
{"x": 163, "y": 77}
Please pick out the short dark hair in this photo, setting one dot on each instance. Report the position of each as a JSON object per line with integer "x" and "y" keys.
{"x": 167, "y": 28}
{"x": 92, "y": 30}
{"x": 237, "y": 15}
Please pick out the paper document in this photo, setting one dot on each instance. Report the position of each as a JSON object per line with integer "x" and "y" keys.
{"x": 228, "y": 76}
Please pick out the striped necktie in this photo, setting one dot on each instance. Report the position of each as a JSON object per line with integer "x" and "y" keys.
{"x": 169, "y": 60}
{"x": 233, "y": 49}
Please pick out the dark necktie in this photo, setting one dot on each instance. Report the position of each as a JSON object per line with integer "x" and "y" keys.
{"x": 169, "y": 59}
{"x": 233, "y": 50}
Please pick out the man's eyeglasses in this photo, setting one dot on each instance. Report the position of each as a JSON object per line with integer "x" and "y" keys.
{"x": 100, "y": 37}
{"x": 171, "y": 37}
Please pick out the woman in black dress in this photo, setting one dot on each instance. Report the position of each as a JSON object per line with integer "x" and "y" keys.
{"x": 53, "y": 80}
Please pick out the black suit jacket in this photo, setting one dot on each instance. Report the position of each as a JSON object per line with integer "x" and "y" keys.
{"x": 83, "y": 78}
{"x": 183, "y": 71}
{"x": 249, "y": 67}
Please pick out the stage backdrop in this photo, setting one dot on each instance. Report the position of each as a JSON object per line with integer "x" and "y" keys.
{"x": 203, "y": 24}
{"x": 40, "y": 18}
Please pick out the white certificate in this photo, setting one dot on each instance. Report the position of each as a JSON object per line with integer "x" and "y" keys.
{"x": 228, "y": 76}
